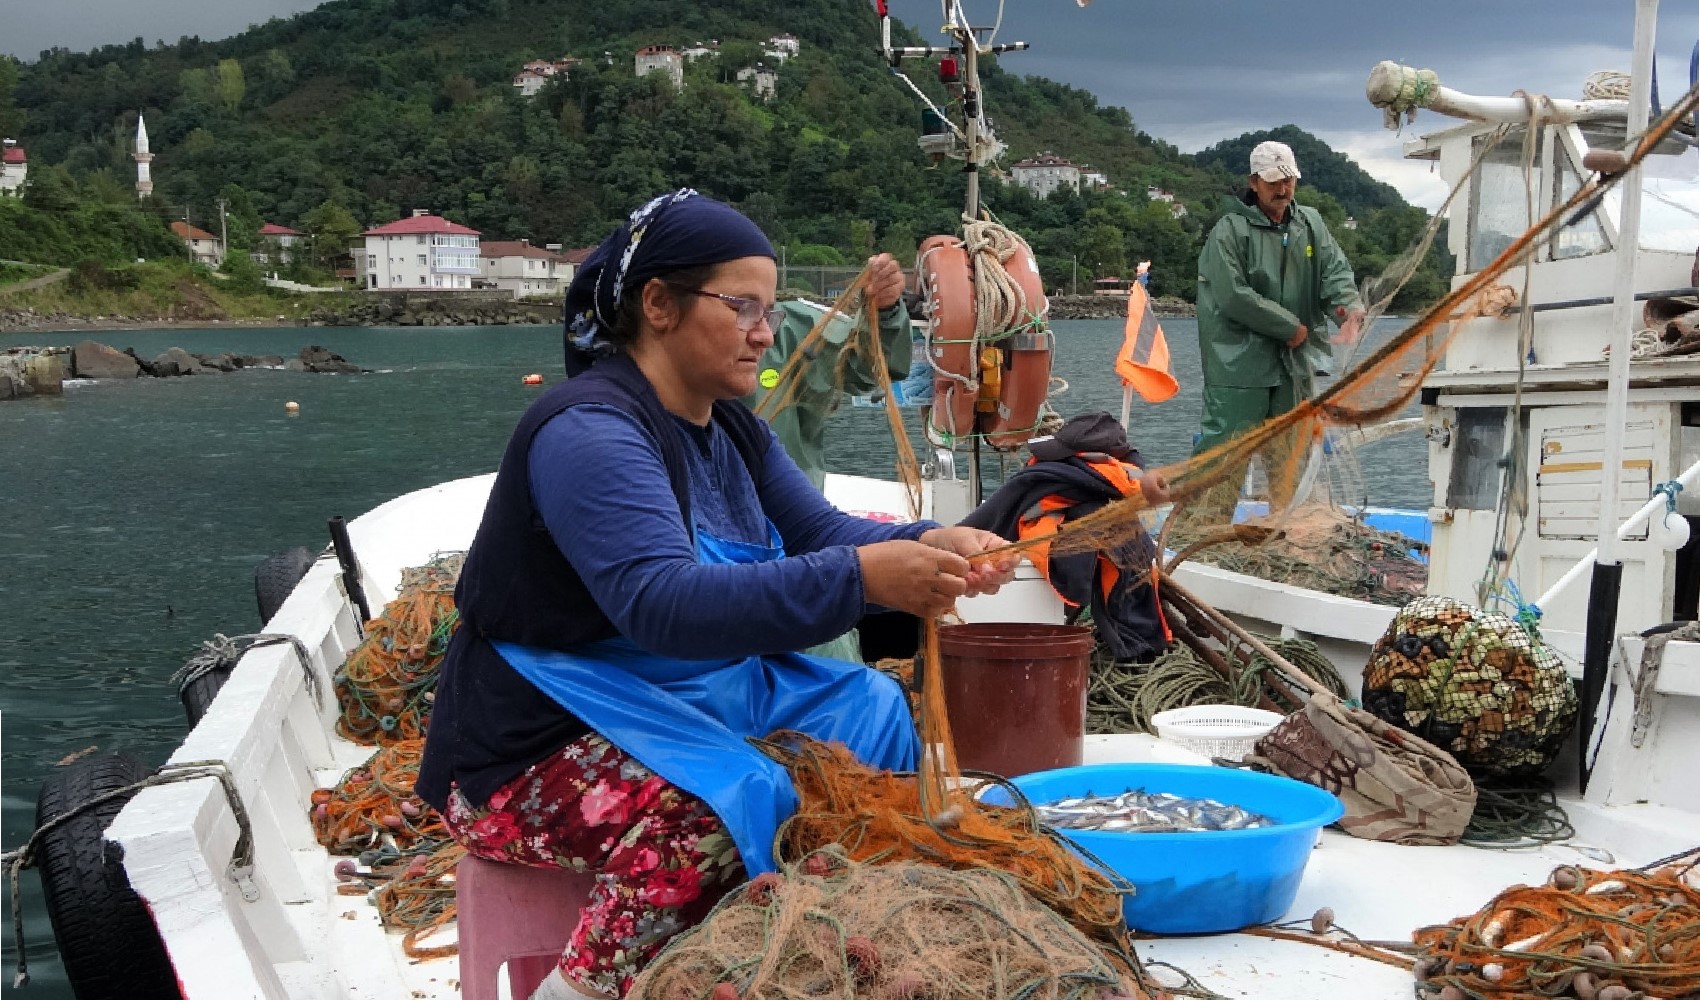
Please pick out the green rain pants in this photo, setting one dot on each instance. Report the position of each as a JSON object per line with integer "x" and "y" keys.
{"x": 1229, "y": 410}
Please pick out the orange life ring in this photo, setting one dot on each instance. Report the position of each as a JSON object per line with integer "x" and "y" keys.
{"x": 1026, "y": 361}
{"x": 945, "y": 283}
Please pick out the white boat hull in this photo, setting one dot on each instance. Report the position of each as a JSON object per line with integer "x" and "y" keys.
{"x": 298, "y": 939}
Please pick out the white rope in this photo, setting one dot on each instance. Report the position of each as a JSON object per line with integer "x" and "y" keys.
{"x": 1000, "y": 305}
{"x": 1606, "y": 85}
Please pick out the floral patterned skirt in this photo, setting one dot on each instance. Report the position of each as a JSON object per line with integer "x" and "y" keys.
{"x": 662, "y": 859}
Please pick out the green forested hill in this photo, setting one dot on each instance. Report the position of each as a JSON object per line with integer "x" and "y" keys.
{"x": 1323, "y": 168}
{"x": 358, "y": 111}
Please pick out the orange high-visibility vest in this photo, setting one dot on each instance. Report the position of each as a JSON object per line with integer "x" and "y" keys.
{"x": 1046, "y": 517}
{"x": 1143, "y": 361}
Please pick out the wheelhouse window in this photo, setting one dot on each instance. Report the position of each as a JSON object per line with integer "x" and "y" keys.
{"x": 1499, "y": 200}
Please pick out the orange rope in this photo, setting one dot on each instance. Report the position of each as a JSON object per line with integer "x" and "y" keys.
{"x": 1640, "y": 929}
{"x": 374, "y": 807}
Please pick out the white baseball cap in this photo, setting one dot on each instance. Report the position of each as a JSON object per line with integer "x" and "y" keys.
{"x": 1274, "y": 161}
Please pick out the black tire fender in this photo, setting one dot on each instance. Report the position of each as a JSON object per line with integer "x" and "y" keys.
{"x": 197, "y": 695}
{"x": 106, "y": 937}
{"x": 276, "y": 576}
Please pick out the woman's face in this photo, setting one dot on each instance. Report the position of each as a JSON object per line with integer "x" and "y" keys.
{"x": 715, "y": 358}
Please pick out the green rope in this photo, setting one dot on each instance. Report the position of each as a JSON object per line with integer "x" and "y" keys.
{"x": 1510, "y": 815}
{"x": 1122, "y": 696}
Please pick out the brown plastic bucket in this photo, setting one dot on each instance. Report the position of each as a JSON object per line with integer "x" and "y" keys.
{"x": 1015, "y": 694}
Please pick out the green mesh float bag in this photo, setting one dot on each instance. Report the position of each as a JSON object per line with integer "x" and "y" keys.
{"x": 1475, "y": 683}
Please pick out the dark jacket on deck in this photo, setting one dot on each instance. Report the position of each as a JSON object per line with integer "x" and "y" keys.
{"x": 1125, "y": 615}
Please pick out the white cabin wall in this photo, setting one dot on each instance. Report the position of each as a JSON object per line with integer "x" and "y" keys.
{"x": 1567, "y": 336}
{"x": 1464, "y": 538}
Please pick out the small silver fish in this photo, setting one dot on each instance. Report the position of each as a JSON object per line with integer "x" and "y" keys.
{"x": 1139, "y": 811}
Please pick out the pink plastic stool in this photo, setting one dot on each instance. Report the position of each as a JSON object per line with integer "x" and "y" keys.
{"x": 516, "y": 914}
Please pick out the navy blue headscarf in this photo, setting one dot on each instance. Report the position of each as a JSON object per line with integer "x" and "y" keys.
{"x": 677, "y": 230}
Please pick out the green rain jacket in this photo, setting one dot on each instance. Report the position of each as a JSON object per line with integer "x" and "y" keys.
{"x": 1257, "y": 281}
{"x": 801, "y": 426}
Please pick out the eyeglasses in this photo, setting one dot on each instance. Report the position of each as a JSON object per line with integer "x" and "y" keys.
{"x": 750, "y": 311}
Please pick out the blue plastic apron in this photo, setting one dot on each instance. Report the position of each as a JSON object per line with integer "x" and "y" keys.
{"x": 687, "y": 720}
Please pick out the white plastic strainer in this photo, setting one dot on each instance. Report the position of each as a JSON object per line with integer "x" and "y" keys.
{"x": 1226, "y": 731}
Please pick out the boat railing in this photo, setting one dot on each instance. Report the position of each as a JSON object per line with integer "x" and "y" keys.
{"x": 1686, "y": 480}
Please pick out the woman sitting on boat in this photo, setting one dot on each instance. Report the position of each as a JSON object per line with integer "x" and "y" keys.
{"x": 648, "y": 556}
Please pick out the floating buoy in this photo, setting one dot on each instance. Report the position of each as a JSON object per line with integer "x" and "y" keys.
{"x": 533, "y": 379}
{"x": 292, "y": 407}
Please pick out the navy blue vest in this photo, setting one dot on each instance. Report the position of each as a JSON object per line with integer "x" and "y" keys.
{"x": 488, "y": 724}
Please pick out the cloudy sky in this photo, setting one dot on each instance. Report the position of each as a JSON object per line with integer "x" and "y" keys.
{"x": 1192, "y": 72}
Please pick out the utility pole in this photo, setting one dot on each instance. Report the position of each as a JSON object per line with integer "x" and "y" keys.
{"x": 1074, "y": 282}
{"x": 223, "y": 233}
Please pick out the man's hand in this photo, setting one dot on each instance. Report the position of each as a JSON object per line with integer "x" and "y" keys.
{"x": 1298, "y": 337}
{"x": 1154, "y": 487}
{"x": 1351, "y": 325}
{"x": 885, "y": 281}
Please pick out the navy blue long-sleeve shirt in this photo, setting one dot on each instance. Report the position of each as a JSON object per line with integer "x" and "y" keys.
{"x": 604, "y": 495}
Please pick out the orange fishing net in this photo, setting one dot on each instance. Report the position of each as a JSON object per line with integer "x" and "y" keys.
{"x": 830, "y": 927}
{"x": 385, "y": 685}
{"x": 1606, "y": 935}
{"x": 373, "y": 812}
{"x": 877, "y": 816}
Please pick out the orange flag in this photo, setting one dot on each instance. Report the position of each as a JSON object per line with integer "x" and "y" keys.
{"x": 1143, "y": 361}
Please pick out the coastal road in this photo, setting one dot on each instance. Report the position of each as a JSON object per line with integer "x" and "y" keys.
{"x": 42, "y": 282}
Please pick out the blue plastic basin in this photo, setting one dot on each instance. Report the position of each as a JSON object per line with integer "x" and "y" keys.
{"x": 1204, "y": 882}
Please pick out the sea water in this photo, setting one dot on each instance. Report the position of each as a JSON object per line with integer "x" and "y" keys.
{"x": 133, "y": 513}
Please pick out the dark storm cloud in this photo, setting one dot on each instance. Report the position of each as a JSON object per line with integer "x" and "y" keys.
{"x": 1192, "y": 72}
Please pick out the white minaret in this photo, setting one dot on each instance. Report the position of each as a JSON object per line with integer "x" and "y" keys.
{"x": 144, "y": 181}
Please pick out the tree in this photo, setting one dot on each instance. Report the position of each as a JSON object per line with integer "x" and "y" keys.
{"x": 51, "y": 189}
{"x": 11, "y": 116}
{"x": 241, "y": 219}
{"x": 331, "y": 229}
{"x": 232, "y": 86}
{"x": 1101, "y": 249}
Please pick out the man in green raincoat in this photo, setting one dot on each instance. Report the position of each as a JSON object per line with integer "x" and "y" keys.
{"x": 801, "y": 425}
{"x": 1268, "y": 278}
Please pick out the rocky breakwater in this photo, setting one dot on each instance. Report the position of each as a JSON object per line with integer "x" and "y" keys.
{"x": 462, "y": 309}
{"x": 1113, "y": 306}
{"x": 33, "y": 371}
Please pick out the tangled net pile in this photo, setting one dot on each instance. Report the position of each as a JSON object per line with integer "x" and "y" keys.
{"x": 878, "y": 816}
{"x": 373, "y": 806}
{"x": 1122, "y": 697}
{"x": 831, "y": 927}
{"x": 1321, "y": 548}
{"x": 385, "y": 685}
{"x": 1605, "y": 935}
{"x": 400, "y": 854}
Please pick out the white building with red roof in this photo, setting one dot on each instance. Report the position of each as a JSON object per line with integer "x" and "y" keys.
{"x": 661, "y": 59}
{"x": 783, "y": 47}
{"x": 203, "y": 246}
{"x": 518, "y": 267}
{"x": 422, "y": 251}
{"x": 276, "y": 243}
{"x": 14, "y": 167}
{"x": 1045, "y": 173}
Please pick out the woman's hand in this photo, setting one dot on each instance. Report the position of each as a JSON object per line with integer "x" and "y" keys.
{"x": 913, "y": 577}
{"x": 985, "y": 575}
{"x": 926, "y": 577}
